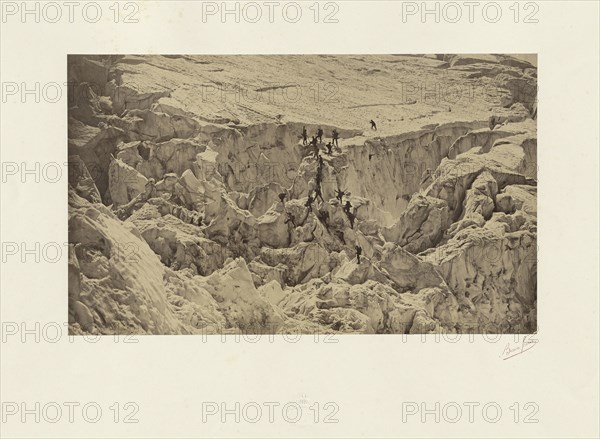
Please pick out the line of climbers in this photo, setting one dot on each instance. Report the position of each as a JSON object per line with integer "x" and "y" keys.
{"x": 175, "y": 206}
{"x": 318, "y": 193}
{"x": 335, "y": 135}
{"x": 348, "y": 209}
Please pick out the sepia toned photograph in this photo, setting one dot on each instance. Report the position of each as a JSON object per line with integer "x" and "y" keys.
{"x": 302, "y": 194}
{"x": 290, "y": 219}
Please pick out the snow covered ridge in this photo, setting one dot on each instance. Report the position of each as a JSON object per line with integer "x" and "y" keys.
{"x": 196, "y": 206}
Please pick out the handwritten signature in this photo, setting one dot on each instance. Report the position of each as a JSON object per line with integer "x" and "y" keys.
{"x": 514, "y": 349}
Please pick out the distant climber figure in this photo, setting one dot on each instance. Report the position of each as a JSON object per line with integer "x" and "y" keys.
{"x": 335, "y": 136}
{"x": 304, "y": 136}
{"x": 320, "y": 159}
{"x": 329, "y": 146}
{"x": 319, "y": 177}
{"x": 323, "y": 216}
{"x": 320, "y": 135}
{"x": 282, "y": 197}
{"x": 318, "y": 193}
{"x": 309, "y": 202}
{"x": 492, "y": 122}
{"x": 347, "y": 207}
{"x": 351, "y": 218}
{"x": 339, "y": 194}
{"x": 290, "y": 219}
{"x": 373, "y": 125}
{"x": 358, "y": 253}
{"x": 314, "y": 147}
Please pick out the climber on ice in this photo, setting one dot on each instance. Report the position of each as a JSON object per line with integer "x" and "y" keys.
{"x": 304, "y": 136}
{"x": 373, "y": 125}
{"x": 339, "y": 194}
{"x": 309, "y": 202}
{"x": 318, "y": 193}
{"x": 329, "y": 146}
{"x": 290, "y": 219}
{"x": 351, "y": 218}
{"x": 358, "y": 253}
{"x": 320, "y": 135}
{"x": 282, "y": 197}
{"x": 315, "y": 147}
{"x": 335, "y": 135}
{"x": 347, "y": 207}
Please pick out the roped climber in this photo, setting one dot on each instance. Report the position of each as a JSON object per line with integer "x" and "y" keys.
{"x": 290, "y": 219}
{"x": 309, "y": 202}
{"x": 351, "y": 218}
{"x": 358, "y": 253}
{"x": 335, "y": 136}
{"x": 318, "y": 193}
{"x": 347, "y": 207}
